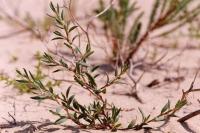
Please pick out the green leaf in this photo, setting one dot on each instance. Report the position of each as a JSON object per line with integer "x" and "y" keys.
{"x": 135, "y": 29}
{"x": 97, "y": 75}
{"x": 62, "y": 15}
{"x": 94, "y": 68}
{"x": 142, "y": 113}
{"x": 58, "y": 110}
{"x": 32, "y": 76}
{"x": 63, "y": 96}
{"x": 61, "y": 120}
{"x": 147, "y": 118}
{"x": 59, "y": 21}
{"x": 131, "y": 124}
{"x": 163, "y": 7}
{"x": 51, "y": 90}
{"x": 180, "y": 104}
{"x": 86, "y": 55}
{"x": 68, "y": 45}
{"x": 78, "y": 81}
{"x": 135, "y": 33}
{"x": 63, "y": 63}
{"x": 117, "y": 126}
{"x": 22, "y": 81}
{"x": 70, "y": 99}
{"x": 39, "y": 97}
{"x": 54, "y": 113}
{"x": 58, "y": 33}
{"x": 166, "y": 107}
{"x": 26, "y": 74}
{"x": 154, "y": 12}
{"x": 72, "y": 28}
{"x": 81, "y": 116}
{"x": 180, "y": 7}
{"x": 75, "y": 116}
{"x": 77, "y": 50}
{"x": 76, "y": 105}
{"x": 68, "y": 90}
{"x": 82, "y": 108}
{"x": 52, "y": 7}
{"x": 58, "y": 8}
{"x": 18, "y": 72}
{"x": 81, "y": 63}
{"x": 75, "y": 37}
{"x": 91, "y": 79}
{"x": 103, "y": 91}
{"x": 58, "y": 70}
{"x": 57, "y": 38}
{"x": 88, "y": 48}
{"x": 107, "y": 78}
{"x": 40, "y": 84}
{"x": 161, "y": 118}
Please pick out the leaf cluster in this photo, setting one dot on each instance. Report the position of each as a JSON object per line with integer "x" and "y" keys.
{"x": 127, "y": 41}
{"x": 39, "y": 74}
{"x": 98, "y": 114}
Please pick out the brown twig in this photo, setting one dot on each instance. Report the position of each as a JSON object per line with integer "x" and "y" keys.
{"x": 189, "y": 116}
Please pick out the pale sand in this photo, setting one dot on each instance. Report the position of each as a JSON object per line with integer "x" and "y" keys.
{"x": 154, "y": 99}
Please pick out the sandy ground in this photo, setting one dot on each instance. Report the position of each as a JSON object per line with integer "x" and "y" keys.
{"x": 31, "y": 115}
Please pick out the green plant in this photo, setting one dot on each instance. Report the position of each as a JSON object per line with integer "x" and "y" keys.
{"x": 99, "y": 114}
{"x": 12, "y": 82}
{"x": 165, "y": 114}
{"x": 126, "y": 41}
{"x": 193, "y": 29}
{"x": 39, "y": 75}
{"x": 38, "y": 28}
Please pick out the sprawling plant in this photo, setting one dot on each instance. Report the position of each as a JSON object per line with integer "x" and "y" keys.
{"x": 126, "y": 41}
{"x": 38, "y": 28}
{"x": 98, "y": 114}
{"x": 39, "y": 74}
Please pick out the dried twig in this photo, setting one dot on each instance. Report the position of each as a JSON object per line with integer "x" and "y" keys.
{"x": 189, "y": 116}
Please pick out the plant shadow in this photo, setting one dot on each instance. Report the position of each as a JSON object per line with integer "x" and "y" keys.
{"x": 187, "y": 128}
{"x": 33, "y": 126}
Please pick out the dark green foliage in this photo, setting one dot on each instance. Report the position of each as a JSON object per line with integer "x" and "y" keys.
{"x": 163, "y": 13}
{"x": 115, "y": 23}
{"x": 98, "y": 114}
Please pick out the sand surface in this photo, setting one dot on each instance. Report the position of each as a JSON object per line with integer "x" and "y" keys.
{"x": 31, "y": 115}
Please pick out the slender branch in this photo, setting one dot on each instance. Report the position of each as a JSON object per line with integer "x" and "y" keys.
{"x": 189, "y": 116}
